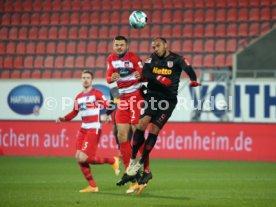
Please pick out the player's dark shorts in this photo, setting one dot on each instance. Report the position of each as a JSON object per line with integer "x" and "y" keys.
{"x": 159, "y": 109}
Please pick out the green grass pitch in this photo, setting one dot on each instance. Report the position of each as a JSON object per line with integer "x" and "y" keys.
{"x": 41, "y": 181}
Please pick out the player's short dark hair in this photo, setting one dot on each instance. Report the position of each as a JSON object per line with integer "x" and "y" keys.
{"x": 88, "y": 72}
{"x": 160, "y": 38}
{"x": 121, "y": 38}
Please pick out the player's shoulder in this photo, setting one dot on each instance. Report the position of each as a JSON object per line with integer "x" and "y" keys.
{"x": 150, "y": 58}
{"x": 132, "y": 55}
{"x": 79, "y": 95}
{"x": 111, "y": 56}
{"x": 95, "y": 91}
{"x": 175, "y": 56}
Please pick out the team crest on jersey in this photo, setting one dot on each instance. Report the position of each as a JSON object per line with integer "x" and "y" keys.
{"x": 148, "y": 60}
{"x": 170, "y": 64}
{"x": 126, "y": 64}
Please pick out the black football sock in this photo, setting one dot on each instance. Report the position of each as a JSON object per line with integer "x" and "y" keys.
{"x": 138, "y": 141}
{"x": 149, "y": 144}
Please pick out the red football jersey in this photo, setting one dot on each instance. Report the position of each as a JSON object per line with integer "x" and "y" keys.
{"x": 125, "y": 66}
{"x": 89, "y": 105}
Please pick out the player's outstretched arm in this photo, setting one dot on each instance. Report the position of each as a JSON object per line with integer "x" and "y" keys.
{"x": 70, "y": 115}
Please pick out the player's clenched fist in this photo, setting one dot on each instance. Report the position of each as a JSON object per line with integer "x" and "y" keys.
{"x": 115, "y": 76}
{"x": 60, "y": 119}
{"x": 137, "y": 75}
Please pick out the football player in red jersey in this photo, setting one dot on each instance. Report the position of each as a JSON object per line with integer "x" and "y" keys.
{"x": 88, "y": 103}
{"x": 125, "y": 68}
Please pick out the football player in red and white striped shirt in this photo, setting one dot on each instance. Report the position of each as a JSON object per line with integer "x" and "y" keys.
{"x": 88, "y": 104}
{"x": 125, "y": 68}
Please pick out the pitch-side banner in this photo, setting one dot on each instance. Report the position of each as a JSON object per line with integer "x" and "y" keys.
{"x": 177, "y": 140}
{"x": 252, "y": 101}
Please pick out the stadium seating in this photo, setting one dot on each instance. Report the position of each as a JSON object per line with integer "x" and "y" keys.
{"x": 59, "y": 38}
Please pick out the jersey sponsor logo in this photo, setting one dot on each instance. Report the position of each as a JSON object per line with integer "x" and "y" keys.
{"x": 148, "y": 60}
{"x": 162, "y": 71}
{"x": 170, "y": 64}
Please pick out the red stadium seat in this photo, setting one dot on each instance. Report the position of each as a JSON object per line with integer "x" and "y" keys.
{"x": 18, "y": 62}
{"x": 36, "y": 74}
{"x": 54, "y": 19}
{"x": 266, "y": 3}
{"x": 243, "y": 15}
{"x": 147, "y": 5}
{"x": 243, "y": 30}
{"x": 101, "y": 62}
{"x": 113, "y": 31}
{"x": 254, "y": 14}
{"x": 199, "y": 16}
{"x": 187, "y": 31}
{"x": 83, "y": 32}
{"x": 102, "y": 47}
{"x": 57, "y": 5}
{"x": 198, "y": 46}
{"x": 265, "y": 14}
{"x": 73, "y": 33}
{"x": 177, "y": 16}
{"x": 25, "y": 19}
{"x": 38, "y": 62}
{"x": 144, "y": 46}
{"x": 99, "y": 74}
{"x": 37, "y": 5}
{"x": 61, "y": 47}
{"x": 23, "y": 33}
{"x": 81, "y": 47}
{"x": 79, "y": 62}
{"x": 28, "y": 5}
{"x": 64, "y": 19}
{"x": 96, "y": 5}
{"x": 11, "y": 48}
{"x": 93, "y": 33}
{"x": 124, "y": 30}
{"x": 210, "y": 4}
{"x": 243, "y": 3}
{"x": 41, "y": 47}
{"x": 45, "y": 19}
{"x": 231, "y": 45}
{"x": 85, "y": 18}
{"x": 5, "y": 74}
{"x": 21, "y": 48}
{"x": 198, "y": 31}
{"x": 47, "y": 5}
{"x": 35, "y": 19}
{"x": 145, "y": 33}
{"x": 67, "y": 74}
{"x": 4, "y": 33}
{"x": 232, "y": 15}
{"x": 2, "y": 48}
{"x": 229, "y": 60}
{"x": 18, "y": 6}
{"x": 53, "y": 33}
{"x": 90, "y": 62}
{"x": 221, "y": 3}
{"x": 254, "y": 3}
{"x": 158, "y": 4}
{"x": 155, "y": 31}
{"x": 29, "y": 62}
{"x": 209, "y": 46}
{"x": 177, "y": 31}
{"x": 77, "y": 74}
{"x": 220, "y": 60}
{"x": 232, "y": 3}
{"x": 254, "y": 29}
{"x": 134, "y": 46}
{"x": 232, "y": 30}
{"x": 8, "y": 62}
{"x": 59, "y": 62}
{"x": 94, "y": 18}
{"x": 189, "y": 4}
{"x": 26, "y": 74}
{"x": 209, "y": 30}
{"x": 49, "y": 62}
{"x": 76, "y": 5}
{"x": 187, "y": 46}
{"x": 33, "y": 33}
{"x": 117, "y": 4}
{"x": 103, "y": 33}
{"x": 210, "y": 15}
{"x": 104, "y": 18}
{"x": 63, "y": 33}
{"x": 15, "y": 74}
{"x": 176, "y": 46}
{"x": 51, "y": 48}
{"x": 69, "y": 62}
{"x": 220, "y": 45}
{"x": 6, "y": 20}
{"x": 221, "y": 15}
{"x": 125, "y": 17}
{"x": 8, "y": 7}
{"x": 43, "y": 33}
{"x": 197, "y": 61}
{"x": 208, "y": 61}
{"x": 1, "y": 62}
{"x": 115, "y": 16}
{"x": 86, "y": 5}
{"x": 92, "y": 47}
{"x": 188, "y": 16}
{"x": 66, "y": 5}
{"x": 13, "y": 34}
{"x": 166, "y": 31}
{"x": 71, "y": 48}
{"x": 46, "y": 74}
{"x": 56, "y": 74}
{"x": 15, "y": 19}
{"x": 167, "y": 16}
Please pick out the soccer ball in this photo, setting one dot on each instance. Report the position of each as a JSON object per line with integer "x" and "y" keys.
{"x": 138, "y": 19}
